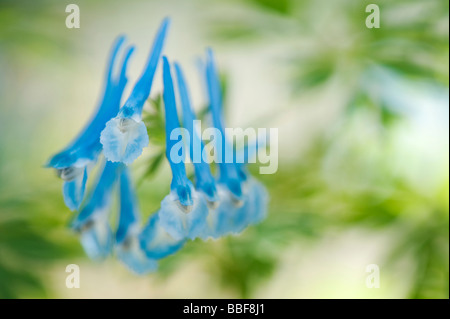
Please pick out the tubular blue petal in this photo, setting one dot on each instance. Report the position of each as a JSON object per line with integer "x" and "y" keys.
{"x": 229, "y": 173}
{"x": 125, "y": 136}
{"x": 127, "y": 243}
{"x": 73, "y": 190}
{"x": 243, "y": 200}
{"x": 183, "y": 212}
{"x": 253, "y": 209}
{"x": 87, "y": 142}
{"x": 180, "y": 182}
{"x": 96, "y": 237}
{"x": 92, "y": 221}
{"x": 129, "y": 214}
{"x": 83, "y": 151}
{"x": 141, "y": 91}
{"x": 181, "y": 185}
{"x": 156, "y": 242}
{"x": 204, "y": 179}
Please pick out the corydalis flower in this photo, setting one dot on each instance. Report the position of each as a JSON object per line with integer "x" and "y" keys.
{"x": 215, "y": 207}
{"x": 74, "y": 161}
{"x": 183, "y": 212}
{"x": 92, "y": 222}
{"x": 125, "y": 136}
{"x": 128, "y": 247}
{"x": 205, "y": 183}
{"x": 243, "y": 200}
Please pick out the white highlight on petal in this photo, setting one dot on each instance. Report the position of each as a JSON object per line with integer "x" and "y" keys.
{"x": 131, "y": 254}
{"x": 96, "y": 236}
{"x": 123, "y": 139}
{"x": 181, "y": 222}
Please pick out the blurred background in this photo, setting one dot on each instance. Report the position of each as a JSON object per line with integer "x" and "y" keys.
{"x": 363, "y": 121}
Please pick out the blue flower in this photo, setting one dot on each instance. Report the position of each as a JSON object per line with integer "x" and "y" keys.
{"x": 183, "y": 212}
{"x": 92, "y": 222}
{"x": 205, "y": 183}
{"x": 125, "y": 135}
{"x": 74, "y": 162}
{"x": 216, "y": 206}
{"x": 128, "y": 246}
{"x": 243, "y": 200}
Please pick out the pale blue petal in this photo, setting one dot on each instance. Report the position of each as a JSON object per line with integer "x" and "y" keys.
{"x": 92, "y": 221}
{"x": 260, "y": 198}
{"x": 204, "y": 179}
{"x": 232, "y": 214}
{"x": 86, "y": 145}
{"x": 123, "y": 139}
{"x": 183, "y": 221}
{"x": 180, "y": 183}
{"x": 129, "y": 212}
{"x": 127, "y": 244}
{"x": 156, "y": 242}
{"x": 96, "y": 238}
{"x": 131, "y": 254}
{"x": 73, "y": 190}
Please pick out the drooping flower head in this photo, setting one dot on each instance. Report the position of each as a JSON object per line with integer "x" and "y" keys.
{"x": 74, "y": 161}
{"x": 183, "y": 212}
{"x": 125, "y": 136}
{"x": 213, "y": 208}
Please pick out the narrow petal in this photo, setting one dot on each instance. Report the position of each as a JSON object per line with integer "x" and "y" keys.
{"x": 129, "y": 214}
{"x": 73, "y": 190}
{"x": 259, "y": 199}
{"x": 204, "y": 179}
{"x": 183, "y": 212}
{"x": 127, "y": 243}
{"x": 92, "y": 221}
{"x": 229, "y": 174}
{"x": 141, "y": 91}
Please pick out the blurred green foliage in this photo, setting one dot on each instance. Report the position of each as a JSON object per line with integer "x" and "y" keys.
{"x": 303, "y": 203}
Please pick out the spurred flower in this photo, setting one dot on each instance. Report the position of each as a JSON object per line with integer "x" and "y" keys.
{"x": 125, "y": 135}
{"x": 74, "y": 162}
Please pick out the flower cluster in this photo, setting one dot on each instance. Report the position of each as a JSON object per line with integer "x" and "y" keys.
{"x": 214, "y": 207}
